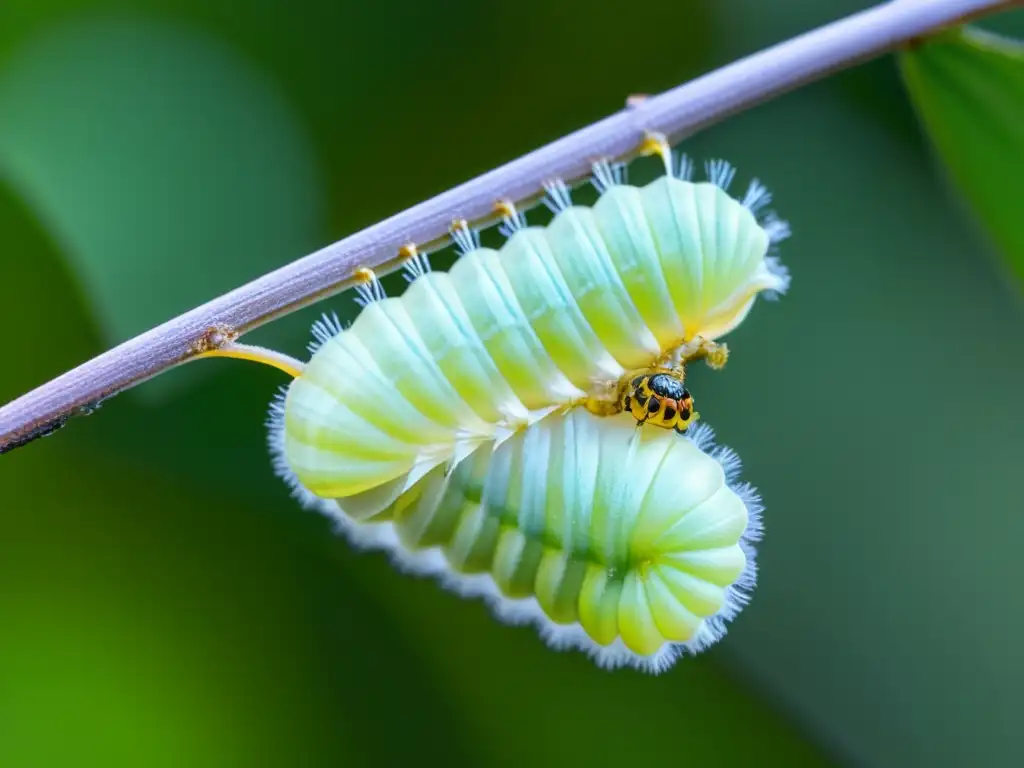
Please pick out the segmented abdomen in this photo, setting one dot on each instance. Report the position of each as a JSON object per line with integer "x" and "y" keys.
{"x": 506, "y": 336}
{"x": 629, "y": 544}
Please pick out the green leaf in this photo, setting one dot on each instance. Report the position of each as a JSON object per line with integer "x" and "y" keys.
{"x": 968, "y": 87}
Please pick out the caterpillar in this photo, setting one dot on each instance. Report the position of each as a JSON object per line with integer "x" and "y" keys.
{"x": 484, "y": 426}
{"x": 551, "y": 320}
{"x": 634, "y": 546}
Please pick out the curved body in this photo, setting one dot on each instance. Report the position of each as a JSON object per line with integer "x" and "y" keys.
{"x": 633, "y": 545}
{"x": 505, "y": 337}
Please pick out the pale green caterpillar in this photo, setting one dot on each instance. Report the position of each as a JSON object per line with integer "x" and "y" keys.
{"x": 444, "y": 425}
{"x": 633, "y": 545}
{"x": 505, "y": 337}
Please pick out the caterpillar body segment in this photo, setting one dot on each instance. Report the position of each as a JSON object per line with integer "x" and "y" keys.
{"x": 633, "y": 546}
{"x": 553, "y": 318}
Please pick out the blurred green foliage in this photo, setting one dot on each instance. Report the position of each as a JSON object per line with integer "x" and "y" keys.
{"x": 969, "y": 88}
{"x": 159, "y": 143}
{"x": 163, "y": 601}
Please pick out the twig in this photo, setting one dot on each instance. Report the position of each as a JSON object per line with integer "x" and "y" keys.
{"x": 677, "y": 114}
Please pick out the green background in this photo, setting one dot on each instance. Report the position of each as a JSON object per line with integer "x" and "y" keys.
{"x": 163, "y": 602}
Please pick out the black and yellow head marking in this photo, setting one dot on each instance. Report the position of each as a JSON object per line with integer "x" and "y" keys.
{"x": 657, "y": 396}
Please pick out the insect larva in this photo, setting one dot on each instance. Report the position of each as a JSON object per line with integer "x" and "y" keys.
{"x": 556, "y": 316}
{"x": 632, "y": 545}
{"x": 445, "y": 426}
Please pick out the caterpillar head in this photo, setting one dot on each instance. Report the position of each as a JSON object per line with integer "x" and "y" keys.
{"x": 658, "y": 396}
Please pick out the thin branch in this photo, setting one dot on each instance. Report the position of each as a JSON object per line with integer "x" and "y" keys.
{"x": 677, "y": 114}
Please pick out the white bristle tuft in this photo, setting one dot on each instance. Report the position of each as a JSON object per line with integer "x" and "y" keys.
{"x": 369, "y": 292}
{"x": 684, "y": 167}
{"x": 777, "y": 268}
{"x": 324, "y": 329}
{"x": 720, "y": 173}
{"x": 757, "y": 197}
{"x": 558, "y": 198}
{"x": 607, "y": 175}
{"x": 777, "y": 229}
{"x": 730, "y": 462}
{"x": 511, "y": 223}
{"x": 466, "y": 240}
{"x": 417, "y": 266}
